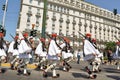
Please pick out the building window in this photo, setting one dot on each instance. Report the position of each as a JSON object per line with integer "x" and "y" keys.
{"x": 51, "y": 6}
{"x": 58, "y": 8}
{"x": 60, "y": 31}
{"x": 96, "y": 10}
{"x": 100, "y": 12}
{"x": 67, "y": 11}
{"x": 82, "y": 6}
{"x": 37, "y": 21}
{"x": 74, "y": 22}
{"x": 55, "y": 7}
{"x": 67, "y": 21}
{"x": 39, "y": 2}
{"x": 30, "y": 1}
{"x": 28, "y": 25}
{"x": 67, "y": 33}
{"x": 38, "y": 13}
{"x": 92, "y": 9}
{"x": 73, "y": 27}
{"x": 28, "y": 19}
{"x": 60, "y": 26}
{"x": 67, "y": 27}
{"x": 53, "y": 29}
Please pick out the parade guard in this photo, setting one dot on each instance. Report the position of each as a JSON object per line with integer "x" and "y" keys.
{"x": 2, "y": 51}
{"x": 116, "y": 55}
{"x": 13, "y": 52}
{"x": 54, "y": 54}
{"x": 67, "y": 55}
{"x": 41, "y": 52}
{"x": 24, "y": 54}
{"x": 96, "y": 63}
{"x": 89, "y": 52}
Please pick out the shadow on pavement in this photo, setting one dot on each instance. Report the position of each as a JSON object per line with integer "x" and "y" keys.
{"x": 114, "y": 77}
{"x": 3, "y": 70}
{"x": 111, "y": 70}
{"x": 78, "y": 75}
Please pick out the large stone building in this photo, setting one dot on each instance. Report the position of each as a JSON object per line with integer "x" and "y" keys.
{"x": 67, "y": 17}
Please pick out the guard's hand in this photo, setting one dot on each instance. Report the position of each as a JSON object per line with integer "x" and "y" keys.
{"x": 59, "y": 55}
{"x": 94, "y": 54}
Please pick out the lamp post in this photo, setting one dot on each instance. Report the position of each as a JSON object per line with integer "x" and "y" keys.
{"x": 44, "y": 18}
{"x": 4, "y": 15}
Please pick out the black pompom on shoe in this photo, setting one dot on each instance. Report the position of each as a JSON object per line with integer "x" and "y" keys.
{"x": 19, "y": 72}
{"x": 93, "y": 77}
{"x": 57, "y": 76}
{"x": 45, "y": 75}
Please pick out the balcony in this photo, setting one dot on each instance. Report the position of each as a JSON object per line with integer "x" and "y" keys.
{"x": 54, "y": 18}
{"x": 29, "y": 13}
{"x": 61, "y": 19}
{"x": 38, "y": 15}
{"x": 90, "y": 26}
{"x": 67, "y": 21}
{"x": 80, "y": 23}
{"x": 85, "y": 24}
{"x": 74, "y": 22}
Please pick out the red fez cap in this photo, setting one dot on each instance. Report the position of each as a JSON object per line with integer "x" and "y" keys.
{"x": 93, "y": 40}
{"x": 118, "y": 42}
{"x": 88, "y": 34}
{"x": 66, "y": 39}
{"x": 16, "y": 37}
{"x": 42, "y": 39}
{"x": 54, "y": 35}
{"x": 1, "y": 34}
{"x": 25, "y": 34}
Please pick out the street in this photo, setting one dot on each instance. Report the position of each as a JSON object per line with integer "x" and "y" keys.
{"x": 77, "y": 72}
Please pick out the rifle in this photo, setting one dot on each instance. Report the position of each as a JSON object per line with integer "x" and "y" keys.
{"x": 12, "y": 36}
{"x": 81, "y": 34}
{"x": 117, "y": 38}
{"x": 89, "y": 41}
{"x": 48, "y": 35}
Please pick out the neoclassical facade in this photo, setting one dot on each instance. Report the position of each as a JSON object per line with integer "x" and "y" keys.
{"x": 67, "y": 17}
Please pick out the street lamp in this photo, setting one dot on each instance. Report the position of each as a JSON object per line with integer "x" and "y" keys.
{"x": 4, "y": 15}
{"x": 44, "y": 18}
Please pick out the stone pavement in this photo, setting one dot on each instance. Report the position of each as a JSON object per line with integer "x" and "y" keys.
{"x": 77, "y": 72}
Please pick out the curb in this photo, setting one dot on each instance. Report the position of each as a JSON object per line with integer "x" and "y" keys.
{"x": 31, "y": 66}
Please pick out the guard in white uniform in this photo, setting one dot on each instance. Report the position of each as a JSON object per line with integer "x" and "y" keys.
{"x": 41, "y": 52}
{"x": 53, "y": 56}
{"x": 116, "y": 55}
{"x": 2, "y": 50}
{"x": 24, "y": 55}
{"x": 13, "y": 52}
{"x": 67, "y": 56}
{"x": 96, "y": 63}
{"x": 89, "y": 53}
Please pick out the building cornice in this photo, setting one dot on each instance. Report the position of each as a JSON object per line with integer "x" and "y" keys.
{"x": 74, "y": 7}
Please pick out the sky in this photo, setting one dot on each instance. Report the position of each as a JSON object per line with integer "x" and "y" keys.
{"x": 14, "y": 7}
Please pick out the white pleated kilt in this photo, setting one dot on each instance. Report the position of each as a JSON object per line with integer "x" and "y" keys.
{"x": 97, "y": 59}
{"x": 15, "y": 52}
{"x": 115, "y": 57}
{"x": 66, "y": 55}
{"x": 23, "y": 50}
{"x": 24, "y": 55}
{"x": 89, "y": 57}
{"x": 42, "y": 54}
{"x": 53, "y": 57}
{"x": 2, "y": 52}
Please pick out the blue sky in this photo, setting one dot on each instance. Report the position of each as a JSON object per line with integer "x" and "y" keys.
{"x": 14, "y": 5}
{"x": 11, "y": 17}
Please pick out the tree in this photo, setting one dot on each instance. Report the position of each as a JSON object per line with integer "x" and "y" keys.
{"x": 110, "y": 45}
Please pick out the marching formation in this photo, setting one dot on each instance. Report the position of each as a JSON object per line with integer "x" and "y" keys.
{"x": 50, "y": 54}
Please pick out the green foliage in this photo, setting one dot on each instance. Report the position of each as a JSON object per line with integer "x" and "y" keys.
{"x": 110, "y": 46}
